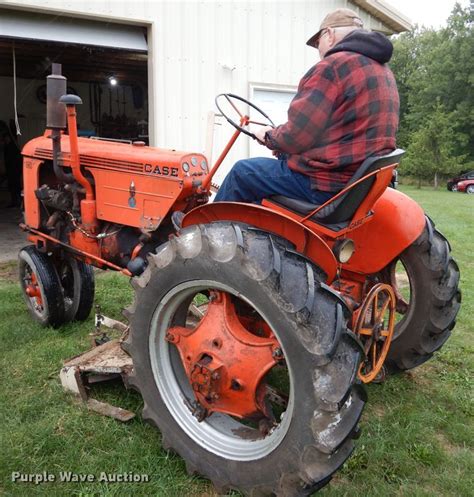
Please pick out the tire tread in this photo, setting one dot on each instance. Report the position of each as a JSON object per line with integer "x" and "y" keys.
{"x": 429, "y": 328}
{"x": 317, "y": 312}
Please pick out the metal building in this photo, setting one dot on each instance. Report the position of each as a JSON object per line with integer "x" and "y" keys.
{"x": 195, "y": 50}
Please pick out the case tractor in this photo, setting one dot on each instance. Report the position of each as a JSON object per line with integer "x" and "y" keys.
{"x": 300, "y": 304}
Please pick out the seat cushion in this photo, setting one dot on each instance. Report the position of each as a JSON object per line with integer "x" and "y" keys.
{"x": 304, "y": 208}
{"x": 299, "y": 206}
{"x": 340, "y": 211}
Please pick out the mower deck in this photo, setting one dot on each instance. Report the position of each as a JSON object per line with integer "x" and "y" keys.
{"x": 104, "y": 362}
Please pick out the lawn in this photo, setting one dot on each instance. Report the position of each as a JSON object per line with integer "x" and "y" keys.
{"x": 417, "y": 436}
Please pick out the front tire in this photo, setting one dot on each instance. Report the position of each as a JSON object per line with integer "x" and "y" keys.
{"x": 78, "y": 285}
{"x": 429, "y": 314}
{"x": 314, "y": 435}
{"x": 41, "y": 287}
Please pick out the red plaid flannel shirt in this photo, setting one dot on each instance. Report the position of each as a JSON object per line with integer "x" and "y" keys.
{"x": 345, "y": 110}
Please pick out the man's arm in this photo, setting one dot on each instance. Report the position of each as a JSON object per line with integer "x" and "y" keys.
{"x": 309, "y": 113}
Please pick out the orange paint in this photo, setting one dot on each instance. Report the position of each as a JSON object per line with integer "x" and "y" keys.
{"x": 215, "y": 356}
{"x": 374, "y": 323}
{"x": 306, "y": 241}
{"x": 33, "y": 289}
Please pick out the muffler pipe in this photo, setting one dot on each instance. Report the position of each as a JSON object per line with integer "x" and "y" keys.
{"x": 56, "y": 87}
{"x": 88, "y": 205}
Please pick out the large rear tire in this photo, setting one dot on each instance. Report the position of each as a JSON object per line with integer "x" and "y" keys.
{"x": 429, "y": 313}
{"x": 314, "y": 435}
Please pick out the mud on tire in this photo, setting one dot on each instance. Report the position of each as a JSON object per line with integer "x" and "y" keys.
{"x": 309, "y": 321}
{"x": 435, "y": 299}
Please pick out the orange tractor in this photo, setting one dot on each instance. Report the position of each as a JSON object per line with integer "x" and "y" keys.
{"x": 299, "y": 304}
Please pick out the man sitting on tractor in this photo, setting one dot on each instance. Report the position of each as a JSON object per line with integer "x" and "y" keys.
{"x": 345, "y": 110}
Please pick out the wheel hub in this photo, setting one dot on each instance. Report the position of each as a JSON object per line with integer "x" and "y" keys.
{"x": 206, "y": 380}
{"x": 225, "y": 362}
{"x": 33, "y": 290}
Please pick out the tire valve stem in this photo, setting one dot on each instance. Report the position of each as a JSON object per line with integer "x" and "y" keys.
{"x": 277, "y": 353}
{"x": 198, "y": 411}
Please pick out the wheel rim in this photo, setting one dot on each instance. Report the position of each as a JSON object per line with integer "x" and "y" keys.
{"x": 470, "y": 189}
{"x": 374, "y": 326}
{"x": 219, "y": 433}
{"x": 400, "y": 278}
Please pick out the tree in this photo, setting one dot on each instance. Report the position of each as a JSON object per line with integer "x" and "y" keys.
{"x": 432, "y": 148}
{"x": 403, "y": 65}
{"x": 435, "y": 76}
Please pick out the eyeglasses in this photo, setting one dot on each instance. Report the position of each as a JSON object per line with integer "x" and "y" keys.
{"x": 323, "y": 32}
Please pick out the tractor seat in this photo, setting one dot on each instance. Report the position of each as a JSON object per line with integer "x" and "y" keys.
{"x": 339, "y": 213}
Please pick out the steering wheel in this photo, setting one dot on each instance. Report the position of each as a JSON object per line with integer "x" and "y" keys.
{"x": 244, "y": 120}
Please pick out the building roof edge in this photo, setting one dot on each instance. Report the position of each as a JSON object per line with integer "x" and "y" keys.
{"x": 387, "y": 14}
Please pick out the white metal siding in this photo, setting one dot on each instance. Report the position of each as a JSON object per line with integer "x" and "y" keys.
{"x": 198, "y": 49}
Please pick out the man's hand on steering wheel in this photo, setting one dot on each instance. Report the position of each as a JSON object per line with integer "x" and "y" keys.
{"x": 260, "y": 133}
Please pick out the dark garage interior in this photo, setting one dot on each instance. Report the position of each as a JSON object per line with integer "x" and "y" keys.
{"x": 112, "y": 83}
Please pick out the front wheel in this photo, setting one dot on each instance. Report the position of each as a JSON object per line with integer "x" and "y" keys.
{"x": 258, "y": 391}
{"x": 426, "y": 281}
{"x": 78, "y": 285}
{"x": 41, "y": 287}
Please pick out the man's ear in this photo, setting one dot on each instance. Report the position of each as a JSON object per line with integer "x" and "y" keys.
{"x": 331, "y": 37}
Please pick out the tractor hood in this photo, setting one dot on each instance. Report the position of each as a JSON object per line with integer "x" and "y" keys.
{"x": 131, "y": 158}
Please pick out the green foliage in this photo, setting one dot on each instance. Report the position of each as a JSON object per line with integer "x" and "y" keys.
{"x": 435, "y": 76}
{"x": 432, "y": 149}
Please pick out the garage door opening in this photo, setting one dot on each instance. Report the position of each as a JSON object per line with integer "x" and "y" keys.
{"x": 112, "y": 82}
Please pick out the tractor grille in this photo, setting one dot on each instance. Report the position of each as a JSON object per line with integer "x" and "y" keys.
{"x": 91, "y": 161}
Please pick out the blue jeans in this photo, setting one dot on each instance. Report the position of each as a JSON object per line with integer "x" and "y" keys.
{"x": 251, "y": 180}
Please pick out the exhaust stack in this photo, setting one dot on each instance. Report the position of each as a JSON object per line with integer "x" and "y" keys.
{"x": 56, "y": 87}
{"x": 88, "y": 205}
{"x": 61, "y": 115}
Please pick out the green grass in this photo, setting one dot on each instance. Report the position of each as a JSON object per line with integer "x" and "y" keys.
{"x": 417, "y": 436}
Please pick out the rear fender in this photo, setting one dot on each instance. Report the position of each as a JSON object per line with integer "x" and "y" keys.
{"x": 306, "y": 241}
{"x": 396, "y": 223}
